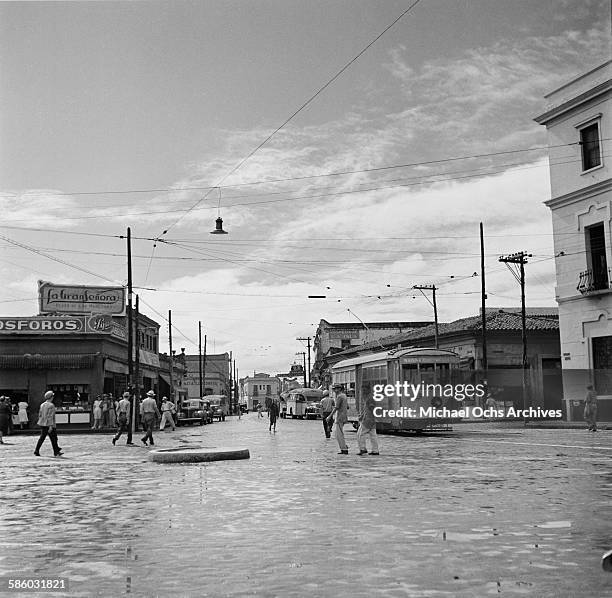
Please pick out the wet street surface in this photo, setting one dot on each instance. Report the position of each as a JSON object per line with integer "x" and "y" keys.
{"x": 486, "y": 510}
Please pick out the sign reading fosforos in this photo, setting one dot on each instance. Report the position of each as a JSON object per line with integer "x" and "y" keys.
{"x": 65, "y": 299}
{"x": 57, "y": 325}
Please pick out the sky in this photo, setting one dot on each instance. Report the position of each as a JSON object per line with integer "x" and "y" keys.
{"x": 162, "y": 116}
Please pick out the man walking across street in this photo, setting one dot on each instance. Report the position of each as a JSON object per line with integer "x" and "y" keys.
{"x": 168, "y": 409}
{"x": 46, "y": 421}
{"x": 367, "y": 426}
{"x": 340, "y": 409}
{"x": 123, "y": 419}
{"x": 327, "y": 406}
{"x": 148, "y": 412}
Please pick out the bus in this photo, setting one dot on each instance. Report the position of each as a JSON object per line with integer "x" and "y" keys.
{"x": 404, "y": 369}
{"x": 299, "y": 400}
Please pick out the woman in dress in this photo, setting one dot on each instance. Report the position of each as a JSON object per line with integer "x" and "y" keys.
{"x": 5, "y": 417}
{"x": 23, "y": 414}
{"x": 97, "y": 413}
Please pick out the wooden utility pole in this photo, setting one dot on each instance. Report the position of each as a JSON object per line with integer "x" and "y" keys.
{"x": 308, "y": 340}
{"x": 171, "y": 355}
{"x": 135, "y": 413}
{"x": 204, "y": 366}
{"x": 200, "y": 358}
{"x": 520, "y": 258}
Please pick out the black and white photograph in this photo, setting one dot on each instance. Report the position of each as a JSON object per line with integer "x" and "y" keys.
{"x": 306, "y": 299}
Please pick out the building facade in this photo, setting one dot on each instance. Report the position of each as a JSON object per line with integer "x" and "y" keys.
{"x": 334, "y": 337}
{"x": 259, "y": 387}
{"x": 215, "y": 375}
{"x": 578, "y": 120}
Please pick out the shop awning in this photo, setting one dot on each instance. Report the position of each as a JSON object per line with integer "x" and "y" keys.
{"x": 115, "y": 367}
{"x": 59, "y": 361}
{"x": 165, "y": 377}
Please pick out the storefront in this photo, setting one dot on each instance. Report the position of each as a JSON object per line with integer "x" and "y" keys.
{"x": 75, "y": 356}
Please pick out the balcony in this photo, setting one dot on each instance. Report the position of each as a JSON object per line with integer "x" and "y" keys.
{"x": 591, "y": 281}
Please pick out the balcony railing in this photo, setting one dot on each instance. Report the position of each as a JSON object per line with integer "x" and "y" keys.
{"x": 594, "y": 280}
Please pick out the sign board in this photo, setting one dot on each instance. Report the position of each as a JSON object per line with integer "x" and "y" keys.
{"x": 344, "y": 334}
{"x": 97, "y": 324}
{"x": 67, "y": 299}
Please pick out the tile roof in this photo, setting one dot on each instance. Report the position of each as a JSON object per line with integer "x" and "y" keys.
{"x": 538, "y": 319}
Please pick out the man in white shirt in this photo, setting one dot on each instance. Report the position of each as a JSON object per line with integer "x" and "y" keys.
{"x": 149, "y": 412}
{"x": 123, "y": 418}
{"x": 168, "y": 409}
{"x": 327, "y": 406}
{"x": 46, "y": 421}
{"x": 341, "y": 411}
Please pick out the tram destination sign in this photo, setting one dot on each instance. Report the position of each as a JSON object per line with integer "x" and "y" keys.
{"x": 98, "y": 324}
{"x": 67, "y": 299}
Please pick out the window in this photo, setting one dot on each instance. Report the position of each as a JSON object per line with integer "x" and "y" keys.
{"x": 590, "y": 146}
{"x": 596, "y": 256}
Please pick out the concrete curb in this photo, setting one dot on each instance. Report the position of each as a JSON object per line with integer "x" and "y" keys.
{"x": 186, "y": 454}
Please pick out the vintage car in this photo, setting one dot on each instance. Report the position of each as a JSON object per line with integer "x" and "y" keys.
{"x": 299, "y": 399}
{"x": 193, "y": 411}
{"x": 313, "y": 410}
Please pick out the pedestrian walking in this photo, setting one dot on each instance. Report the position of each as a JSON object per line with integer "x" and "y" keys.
{"x": 273, "y": 411}
{"x": 6, "y": 414}
{"x": 590, "y": 408}
{"x": 327, "y": 406}
{"x": 168, "y": 409}
{"x": 22, "y": 414}
{"x": 46, "y": 421}
{"x": 148, "y": 413}
{"x": 123, "y": 419}
{"x": 97, "y": 413}
{"x": 367, "y": 426}
{"x": 341, "y": 411}
{"x": 259, "y": 411}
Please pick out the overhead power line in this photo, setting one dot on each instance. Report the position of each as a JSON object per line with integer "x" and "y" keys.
{"x": 296, "y": 178}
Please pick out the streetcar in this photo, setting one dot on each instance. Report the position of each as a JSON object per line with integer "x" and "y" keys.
{"x": 408, "y": 406}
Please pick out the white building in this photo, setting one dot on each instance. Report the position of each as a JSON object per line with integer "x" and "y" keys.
{"x": 579, "y": 124}
{"x": 259, "y": 387}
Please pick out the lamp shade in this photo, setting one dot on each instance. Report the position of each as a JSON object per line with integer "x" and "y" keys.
{"x": 218, "y": 227}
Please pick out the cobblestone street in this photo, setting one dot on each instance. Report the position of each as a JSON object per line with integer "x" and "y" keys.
{"x": 482, "y": 511}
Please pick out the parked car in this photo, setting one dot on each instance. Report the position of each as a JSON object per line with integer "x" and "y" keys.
{"x": 298, "y": 400}
{"x": 313, "y": 410}
{"x": 244, "y": 408}
{"x": 192, "y": 411}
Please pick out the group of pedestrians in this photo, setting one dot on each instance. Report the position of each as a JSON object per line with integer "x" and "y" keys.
{"x": 7, "y": 411}
{"x": 339, "y": 408}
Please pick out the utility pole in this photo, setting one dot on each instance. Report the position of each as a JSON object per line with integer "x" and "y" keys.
{"x": 200, "y": 358}
{"x": 430, "y": 287}
{"x": 204, "y": 366}
{"x": 137, "y": 375}
{"x": 483, "y": 298}
{"x": 520, "y": 258}
{"x": 231, "y": 384}
{"x": 171, "y": 354}
{"x": 307, "y": 339}
{"x": 130, "y": 326}
{"x": 303, "y": 354}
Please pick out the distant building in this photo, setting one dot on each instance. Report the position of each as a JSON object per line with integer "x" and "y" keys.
{"x": 333, "y": 337}
{"x": 259, "y": 387}
{"x": 578, "y": 120}
{"x": 216, "y": 369}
